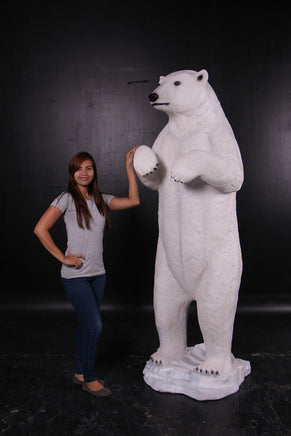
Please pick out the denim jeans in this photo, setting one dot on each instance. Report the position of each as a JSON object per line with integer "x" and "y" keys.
{"x": 85, "y": 294}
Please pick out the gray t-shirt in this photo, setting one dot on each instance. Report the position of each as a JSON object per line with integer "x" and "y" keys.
{"x": 88, "y": 242}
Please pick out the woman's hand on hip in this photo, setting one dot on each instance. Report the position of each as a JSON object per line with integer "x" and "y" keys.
{"x": 74, "y": 260}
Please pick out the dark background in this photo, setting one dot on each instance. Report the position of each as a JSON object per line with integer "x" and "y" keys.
{"x": 65, "y": 73}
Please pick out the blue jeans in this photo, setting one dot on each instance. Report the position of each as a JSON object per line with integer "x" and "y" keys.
{"x": 85, "y": 294}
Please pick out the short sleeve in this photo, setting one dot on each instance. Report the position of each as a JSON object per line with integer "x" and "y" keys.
{"x": 107, "y": 198}
{"x": 61, "y": 202}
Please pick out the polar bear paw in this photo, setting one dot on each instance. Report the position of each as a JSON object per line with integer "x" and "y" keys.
{"x": 212, "y": 367}
{"x": 145, "y": 161}
{"x": 160, "y": 359}
{"x": 182, "y": 171}
{"x": 157, "y": 360}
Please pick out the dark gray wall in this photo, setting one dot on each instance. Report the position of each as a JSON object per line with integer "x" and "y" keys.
{"x": 65, "y": 73}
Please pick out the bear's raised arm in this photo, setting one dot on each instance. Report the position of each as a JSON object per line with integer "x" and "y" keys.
{"x": 221, "y": 167}
{"x": 228, "y": 172}
{"x": 146, "y": 166}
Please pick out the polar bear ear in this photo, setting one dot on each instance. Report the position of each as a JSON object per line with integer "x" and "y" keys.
{"x": 161, "y": 78}
{"x": 202, "y": 76}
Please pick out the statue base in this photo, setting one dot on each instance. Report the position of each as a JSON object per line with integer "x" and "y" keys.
{"x": 180, "y": 377}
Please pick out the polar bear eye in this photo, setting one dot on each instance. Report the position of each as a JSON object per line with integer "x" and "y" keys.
{"x": 177, "y": 83}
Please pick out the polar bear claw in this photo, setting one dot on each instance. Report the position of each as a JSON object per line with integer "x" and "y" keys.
{"x": 157, "y": 362}
{"x": 213, "y": 366}
{"x": 208, "y": 372}
{"x": 152, "y": 172}
{"x": 161, "y": 359}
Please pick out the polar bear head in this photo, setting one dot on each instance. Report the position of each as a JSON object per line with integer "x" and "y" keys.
{"x": 182, "y": 92}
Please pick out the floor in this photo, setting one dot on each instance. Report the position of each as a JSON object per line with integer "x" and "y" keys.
{"x": 38, "y": 398}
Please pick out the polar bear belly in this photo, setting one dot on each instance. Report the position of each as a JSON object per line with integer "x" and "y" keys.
{"x": 195, "y": 221}
{"x": 183, "y": 234}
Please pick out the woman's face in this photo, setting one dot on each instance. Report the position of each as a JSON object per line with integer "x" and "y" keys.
{"x": 85, "y": 174}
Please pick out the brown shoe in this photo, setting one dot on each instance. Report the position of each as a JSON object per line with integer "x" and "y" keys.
{"x": 104, "y": 392}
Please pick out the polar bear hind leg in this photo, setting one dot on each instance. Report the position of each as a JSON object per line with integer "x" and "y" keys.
{"x": 171, "y": 311}
{"x": 216, "y": 315}
{"x": 171, "y": 326}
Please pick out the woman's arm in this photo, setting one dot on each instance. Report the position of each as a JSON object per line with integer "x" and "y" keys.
{"x": 132, "y": 200}
{"x": 41, "y": 230}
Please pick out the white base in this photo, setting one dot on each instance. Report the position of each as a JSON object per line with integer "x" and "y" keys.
{"x": 180, "y": 377}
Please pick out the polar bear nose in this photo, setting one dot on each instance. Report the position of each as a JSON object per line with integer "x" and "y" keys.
{"x": 153, "y": 96}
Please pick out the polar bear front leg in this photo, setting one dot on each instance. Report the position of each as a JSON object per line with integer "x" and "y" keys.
{"x": 171, "y": 310}
{"x": 146, "y": 166}
{"x": 221, "y": 173}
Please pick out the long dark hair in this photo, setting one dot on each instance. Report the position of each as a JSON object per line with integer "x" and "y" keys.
{"x": 83, "y": 213}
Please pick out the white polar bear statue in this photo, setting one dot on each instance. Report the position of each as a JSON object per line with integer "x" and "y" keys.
{"x": 195, "y": 164}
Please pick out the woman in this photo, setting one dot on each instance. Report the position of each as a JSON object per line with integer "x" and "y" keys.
{"x": 86, "y": 211}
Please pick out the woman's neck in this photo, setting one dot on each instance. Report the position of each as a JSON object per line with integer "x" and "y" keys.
{"x": 84, "y": 192}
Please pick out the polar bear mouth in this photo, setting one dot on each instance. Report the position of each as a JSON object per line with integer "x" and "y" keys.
{"x": 160, "y": 104}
